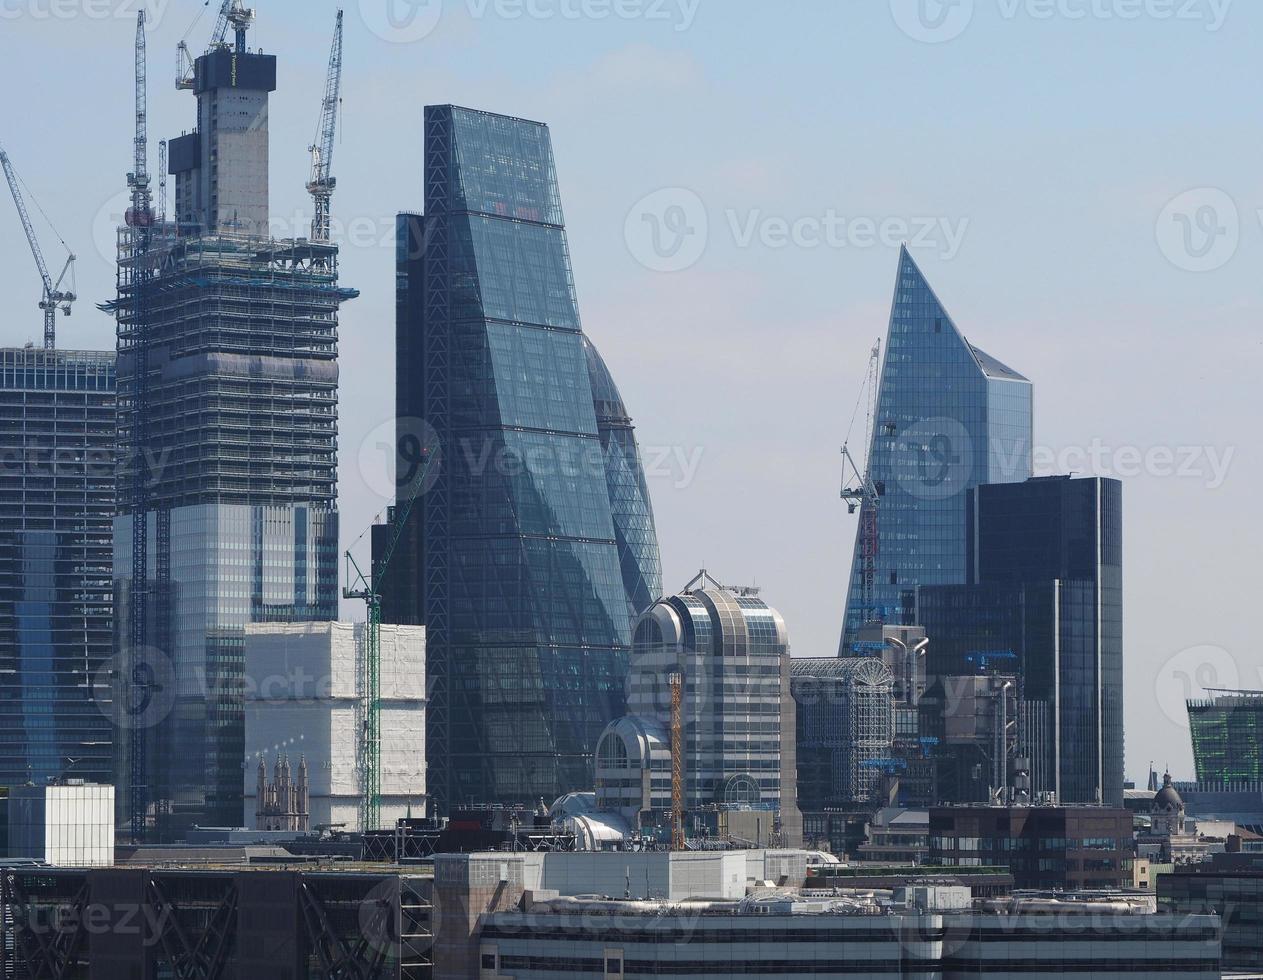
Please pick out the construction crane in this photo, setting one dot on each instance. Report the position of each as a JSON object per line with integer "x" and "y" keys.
{"x": 322, "y": 182}
{"x": 54, "y": 297}
{"x": 859, "y": 490}
{"x": 140, "y": 673}
{"x": 230, "y": 12}
{"x": 162, "y": 181}
{"x": 369, "y": 590}
{"x": 677, "y": 762}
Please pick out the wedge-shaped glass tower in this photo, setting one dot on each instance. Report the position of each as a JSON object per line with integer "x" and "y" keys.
{"x": 949, "y": 417}
{"x": 533, "y": 544}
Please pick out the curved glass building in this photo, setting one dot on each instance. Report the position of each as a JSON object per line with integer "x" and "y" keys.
{"x": 512, "y": 556}
{"x": 949, "y": 417}
{"x": 630, "y": 506}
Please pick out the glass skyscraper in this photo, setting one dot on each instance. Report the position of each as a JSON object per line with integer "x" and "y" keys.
{"x": 57, "y": 445}
{"x": 1227, "y": 729}
{"x": 1044, "y": 600}
{"x": 949, "y": 417}
{"x": 512, "y": 557}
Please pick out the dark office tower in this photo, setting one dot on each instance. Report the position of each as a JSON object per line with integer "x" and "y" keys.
{"x": 949, "y": 417}
{"x": 228, "y": 417}
{"x": 57, "y": 443}
{"x": 513, "y": 549}
{"x": 1227, "y": 729}
{"x": 1044, "y": 604}
{"x": 630, "y": 506}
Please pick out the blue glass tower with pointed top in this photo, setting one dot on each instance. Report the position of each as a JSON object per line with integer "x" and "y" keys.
{"x": 949, "y": 417}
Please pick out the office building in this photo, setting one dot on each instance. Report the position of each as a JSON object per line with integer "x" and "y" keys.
{"x": 518, "y": 561}
{"x": 923, "y": 929}
{"x": 949, "y": 417}
{"x": 57, "y": 445}
{"x": 1043, "y": 604}
{"x": 845, "y": 729}
{"x": 67, "y": 824}
{"x": 730, "y": 650}
{"x": 228, "y": 421}
{"x": 1227, "y": 729}
{"x": 1046, "y": 847}
{"x": 1233, "y": 893}
{"x": 221, "y": 920}
{"x": 305, "y": 709}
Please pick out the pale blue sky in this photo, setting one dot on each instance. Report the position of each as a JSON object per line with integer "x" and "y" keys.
{"x": 1043, "y": 141}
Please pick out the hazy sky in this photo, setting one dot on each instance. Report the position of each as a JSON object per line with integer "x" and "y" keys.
{"x": 1080, "y": 180}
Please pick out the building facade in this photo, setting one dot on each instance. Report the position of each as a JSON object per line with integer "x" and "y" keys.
{"x": 1044, "y": 604}
{"x": 304, "y": 696}
{"x": 730, "y": 650}
{"x": 532, "y": 542}
{"x": 57, "y": 445}
{"x": 228, "y": 422}
{"x": 845, "y": 729}
{"x": 630, "y": 506}
{"x": 791, "y": 937}
{"x": 1053, "y": 847}
{"x": 1227, "y": 729}
{"x": 949, "y": 417}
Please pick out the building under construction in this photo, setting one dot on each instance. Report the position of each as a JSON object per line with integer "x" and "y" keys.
{"x": 227, "y": 376}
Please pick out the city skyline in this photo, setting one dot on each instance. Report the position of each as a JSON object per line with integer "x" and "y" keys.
{"x": 1105, "y": 336}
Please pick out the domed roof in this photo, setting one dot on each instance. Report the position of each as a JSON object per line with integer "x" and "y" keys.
{"x": 1167, "y": 798}
{"x": 605, "y": 394}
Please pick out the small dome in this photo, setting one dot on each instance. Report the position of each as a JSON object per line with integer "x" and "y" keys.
{"x": 1167, "y": 798}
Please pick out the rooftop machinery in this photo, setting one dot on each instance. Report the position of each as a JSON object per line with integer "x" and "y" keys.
{"x": 54, "y": 297}
{"x": 230, "y": 12}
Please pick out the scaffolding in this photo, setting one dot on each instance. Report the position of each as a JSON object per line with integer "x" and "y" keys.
{"x": 846, "y": 728}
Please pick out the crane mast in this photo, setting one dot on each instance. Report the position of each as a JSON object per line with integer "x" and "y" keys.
{"x": 861, "y": 492}
{"x": 140, "y": 673}
{"x": 54, "y": 298}
{"x": 361, "y": 586}
{"x": 321, "y": 184}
